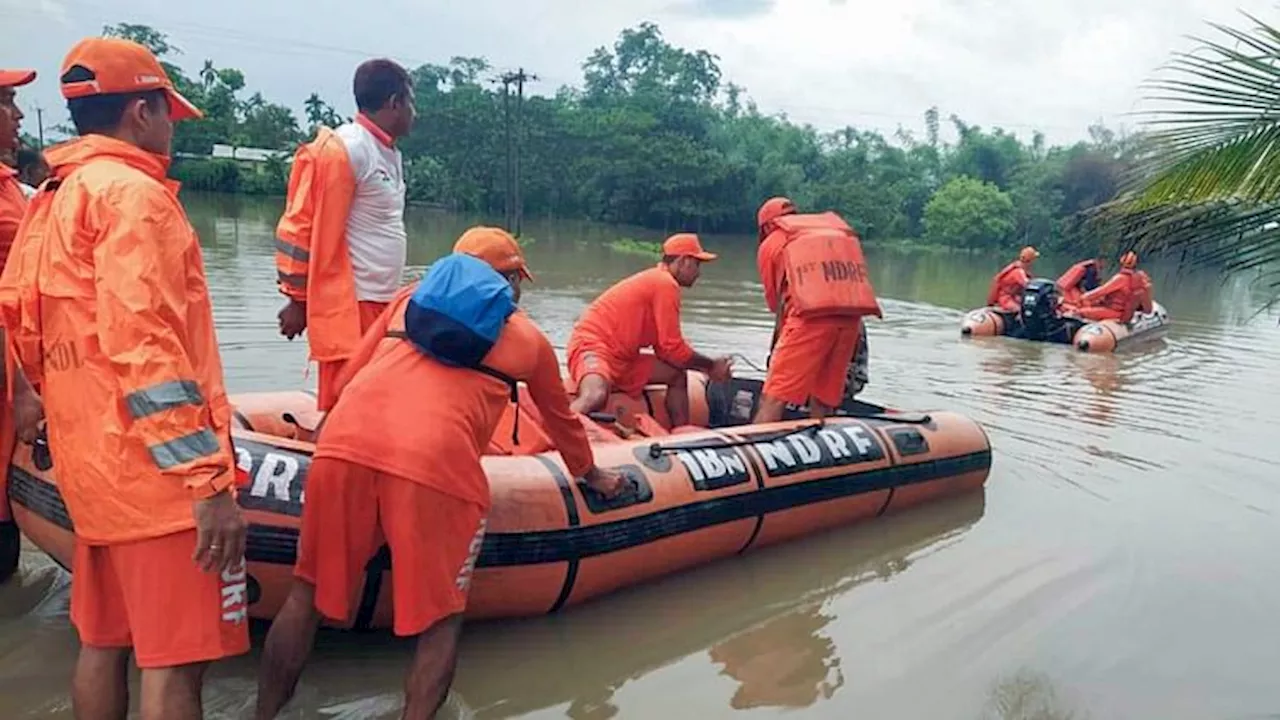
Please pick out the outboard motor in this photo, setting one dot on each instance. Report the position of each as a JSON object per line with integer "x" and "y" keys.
{"x": 1039, "y": 313}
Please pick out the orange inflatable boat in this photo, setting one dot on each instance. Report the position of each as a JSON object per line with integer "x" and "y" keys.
{"x": 695, "y": 495}
{"x": 1039, "y": 320}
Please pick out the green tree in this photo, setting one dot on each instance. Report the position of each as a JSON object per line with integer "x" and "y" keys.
{"x": 969, "y": 213}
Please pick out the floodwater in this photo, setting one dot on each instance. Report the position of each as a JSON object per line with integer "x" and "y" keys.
{"x": 1120, "y": 563}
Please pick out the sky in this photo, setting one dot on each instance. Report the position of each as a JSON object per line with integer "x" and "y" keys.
{"x": 1050, "y": 65}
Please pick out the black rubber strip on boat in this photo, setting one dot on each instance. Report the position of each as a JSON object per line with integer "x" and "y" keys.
{"x": 278, "y": 544}
{"x": 571, "y": 512}
{"x": 891, "y": 447}
{"x": 752, "y": 458}
{"x": 243, "y": 420}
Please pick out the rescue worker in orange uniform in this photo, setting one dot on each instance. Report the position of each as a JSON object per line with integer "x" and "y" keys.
{"x": 13, "y": 201}
{"x": 107, "y": 309}
{"x": 340, "y": 245}
{"x": 417, "y": 481}
{"x": 642, "y": 311}
{"x": 21, "y": 404}
{"x": 1078, "y": 280}
{"x": 1008, "y": 284}
{"x": 813, "y": 350}
{"x": 1118, "y": 297}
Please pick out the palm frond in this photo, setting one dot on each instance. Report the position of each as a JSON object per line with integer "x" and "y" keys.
{"x": 1230, "y": 234}
{"x": 1221, "y": 138}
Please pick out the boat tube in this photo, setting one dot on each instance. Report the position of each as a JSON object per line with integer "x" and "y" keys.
{"x": 696, "y": 494}
{"x": 1040, "y": 320}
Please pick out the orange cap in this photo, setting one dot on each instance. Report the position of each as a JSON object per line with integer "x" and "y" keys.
{"x": 494, "y": 246}
{"x": 1129, "y": 260}
{"x": 774, "y": 208}
{"x": 16, "y": 78}
{"x": 115, "y": 66}
{"x": 1028, "y": 254}
{"x": 686, "y": 245}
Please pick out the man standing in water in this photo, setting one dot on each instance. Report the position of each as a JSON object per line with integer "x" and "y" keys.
{"x": 399, "y": 458}
{"x": 119, "y": 335}
{"x": 340, "y": 245}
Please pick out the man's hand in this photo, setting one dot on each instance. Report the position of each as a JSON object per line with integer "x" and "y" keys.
{"x": 28, "y": 412}
{"x": 608, "y": 483}
{"x": 721, "y": 369}
{"x": 293, "y": 319}
{"x": 220, "y": 533}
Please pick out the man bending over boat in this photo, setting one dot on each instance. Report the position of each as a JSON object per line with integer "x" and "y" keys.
{"x": 1008, "y": 284}
{"x": 108, "y": 310}
{"x": 815, "y": 280}
{"x": 340, "y": 245}
{"x": 642, "y": 311}
{"x": 1078, "y": 280}
{"x": 399, "y": 457}
{"x": 1126, "y": 292}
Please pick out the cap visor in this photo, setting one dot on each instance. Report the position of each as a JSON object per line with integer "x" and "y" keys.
{"x": 16, "y": 78}
{"x": 181, "y": 108}
{"x": 705, "y": 256}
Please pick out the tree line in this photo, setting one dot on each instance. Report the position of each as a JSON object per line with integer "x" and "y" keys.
{"x": 655, "y": 137}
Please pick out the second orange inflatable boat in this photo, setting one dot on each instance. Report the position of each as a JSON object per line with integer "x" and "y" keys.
{"x": 696, "y": 495}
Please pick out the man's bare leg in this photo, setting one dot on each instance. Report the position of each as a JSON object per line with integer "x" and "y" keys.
{"x": 677, "y": 382}
{"x": 173, "y": 693}
{"x": 289, "y": 642}
{"x": 100, "y": 684}
{"x": 427, "y": 684}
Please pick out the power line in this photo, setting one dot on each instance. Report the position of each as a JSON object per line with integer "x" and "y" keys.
{"x": 514, "y": 201}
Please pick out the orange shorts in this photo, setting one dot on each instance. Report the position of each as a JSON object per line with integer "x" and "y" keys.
{"x": 1098, "y": 312}
{"x": 628, "y": 377}
{"x": 812, "y": 359}
{"x": 151, "y": 596}
{"x": 352, "y": 510}
{"x": 328, "y": 372}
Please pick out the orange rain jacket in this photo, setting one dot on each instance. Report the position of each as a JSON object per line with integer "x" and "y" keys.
{"x": 13, "y": 203}
{"x": 105, "y": 303}
{"x": 405, "y": 414}
{"x": 313, "y": 264}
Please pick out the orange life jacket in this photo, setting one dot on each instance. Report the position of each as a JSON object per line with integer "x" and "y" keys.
{"x": 313, "y": 264}
{"x": 1005, "y": 284}
{"x": 1069, "y": 282}
{"x": 826, "y": 273}
{"x": 1118, "y": 293}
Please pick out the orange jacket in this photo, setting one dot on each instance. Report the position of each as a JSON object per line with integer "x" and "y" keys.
{"x": 1118, "y": 293}
{"x": 1069, "y": 282}
{"x": 13, "y": 203}
{"x": 640, "y": 311}
{"x": 313, "y": 264}
{"x": 105, "y": 302}
{"x": 1006, "y": 286}
{"x": 403, "y": 413}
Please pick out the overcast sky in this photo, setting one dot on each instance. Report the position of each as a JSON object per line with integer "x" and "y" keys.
{"x": 1052, "y": 65}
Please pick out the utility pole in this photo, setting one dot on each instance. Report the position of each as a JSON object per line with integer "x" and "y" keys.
{"x": 40, "y": 126}
{"x": 515, "y": 203}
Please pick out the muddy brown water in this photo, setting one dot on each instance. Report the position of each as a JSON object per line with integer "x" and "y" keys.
{"x": 1119, "y": 564}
